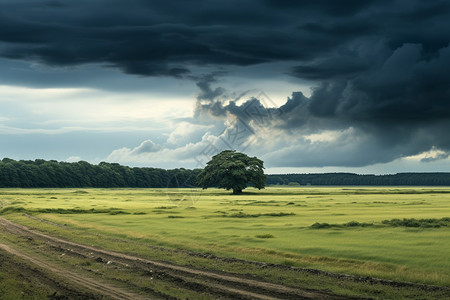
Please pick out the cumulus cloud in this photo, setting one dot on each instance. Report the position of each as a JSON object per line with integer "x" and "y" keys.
{"x": 186, "y": 132}
{"x": 146, "y": 147}
{"x": 189, "y": 155}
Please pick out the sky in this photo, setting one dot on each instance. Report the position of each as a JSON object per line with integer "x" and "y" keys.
{"x": 306, "y": 86}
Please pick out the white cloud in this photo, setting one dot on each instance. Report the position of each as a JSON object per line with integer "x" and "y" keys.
{"x": 428, "y": 156}
{"x": 327, "y": 135}
{"x": 186, "y": 132}
{"x": 188, "y": 155}
{"x": 184, "y": 156}
{"x": 146, "y": 147}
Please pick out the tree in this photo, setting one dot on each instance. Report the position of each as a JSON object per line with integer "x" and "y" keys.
{"x": 232, "y": 170}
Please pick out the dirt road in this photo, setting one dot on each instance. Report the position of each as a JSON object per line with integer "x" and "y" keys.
{"x": 215, "y": 284}
{"x": 92, "y": 284}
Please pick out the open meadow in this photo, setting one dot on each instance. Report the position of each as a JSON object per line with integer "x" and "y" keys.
{"x": 393, "y": 233}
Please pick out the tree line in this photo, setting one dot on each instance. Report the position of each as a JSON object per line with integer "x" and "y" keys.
{"x": 53, "y": 174}
{"x": 412, "y": 179}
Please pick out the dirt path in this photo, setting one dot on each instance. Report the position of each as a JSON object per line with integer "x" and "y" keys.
{"x": 221, "y": 285}
{"x": 81, "y": 280}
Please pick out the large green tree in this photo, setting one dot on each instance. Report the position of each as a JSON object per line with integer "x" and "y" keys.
{"x": 232, "y": 170}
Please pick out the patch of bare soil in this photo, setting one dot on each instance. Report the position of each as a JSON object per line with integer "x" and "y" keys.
{"x": 99, "y": 288}
{"x": 36, "y": 277}
{"x": 217, "y": 285}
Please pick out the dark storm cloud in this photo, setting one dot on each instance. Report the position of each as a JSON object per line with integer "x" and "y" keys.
{"x": 139, "y": 38}
{"x": 379, "y": 67}
{"x": 343, "y": 7}
{"x": 402, "y": 103}
{"x": 169, "y": 37}
{"x": 206, "y": 91}
{"x": 398, "y": 107}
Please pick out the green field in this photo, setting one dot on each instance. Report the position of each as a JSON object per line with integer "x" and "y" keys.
{"x": 272, "y": 225}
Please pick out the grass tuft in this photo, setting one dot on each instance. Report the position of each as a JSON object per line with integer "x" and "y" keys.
{"x": 245, "y": 215}
{"x": 424, "y": 223}
{"x": 318, "y": 225}
{"x": 12, "y": 209}
{"x": 265, "y": 236}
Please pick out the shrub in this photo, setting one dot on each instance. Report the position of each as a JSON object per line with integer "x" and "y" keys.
{"x": 424, "y": 223}
{"x": 352, "y": 224}
{"x": 357, "y": 224}
{"x": 12, "y": 209}
{"x": 119, "y": 212}
{"x": 318, "y": 225}
{"x": 245, "y": 215}
{"x": 265, "y": 236}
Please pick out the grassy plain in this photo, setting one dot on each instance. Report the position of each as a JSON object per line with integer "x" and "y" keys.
{"x": 271, "y": 225}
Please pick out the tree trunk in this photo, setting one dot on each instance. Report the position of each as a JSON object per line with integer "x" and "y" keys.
{"x": 237, "y": 191}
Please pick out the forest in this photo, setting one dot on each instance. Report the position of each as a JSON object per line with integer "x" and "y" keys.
{"x": 399, "y": 179}
{"x": 41, "y": 174}
{"x": 50, "y": 174}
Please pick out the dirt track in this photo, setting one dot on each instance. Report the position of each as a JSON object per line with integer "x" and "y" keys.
{"x": 92, "y": 284}
{"x": 217, "y": 285}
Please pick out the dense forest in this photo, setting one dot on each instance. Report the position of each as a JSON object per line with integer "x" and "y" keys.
{"x": 416, "y": 179}
{"x": 42, "y": 173}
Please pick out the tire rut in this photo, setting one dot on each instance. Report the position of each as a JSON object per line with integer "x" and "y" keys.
{"x": 81, "y": 280}
{"x": 218, "y": 284}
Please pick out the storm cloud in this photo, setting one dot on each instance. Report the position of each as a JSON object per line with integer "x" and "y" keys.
{"x": 378, "y": 69}
{"x": 397, "y": 109}
{"x": 169, "y": 38}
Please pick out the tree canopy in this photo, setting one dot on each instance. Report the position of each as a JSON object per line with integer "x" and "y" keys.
{"x": 232, "y": 170}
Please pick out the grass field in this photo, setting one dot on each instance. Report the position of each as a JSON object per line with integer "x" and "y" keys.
{"x": 338, "y": 229}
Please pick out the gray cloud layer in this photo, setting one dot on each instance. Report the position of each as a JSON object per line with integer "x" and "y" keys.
{"x": 168, "y": 37}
